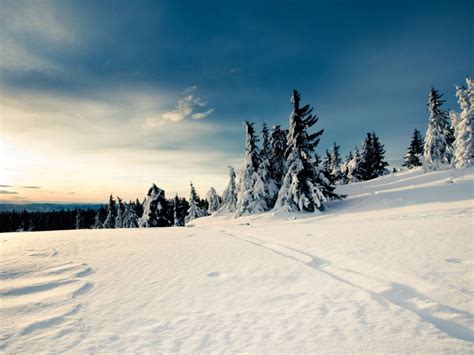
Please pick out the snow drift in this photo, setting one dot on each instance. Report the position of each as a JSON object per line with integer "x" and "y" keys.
{"x": 389, "y": 269}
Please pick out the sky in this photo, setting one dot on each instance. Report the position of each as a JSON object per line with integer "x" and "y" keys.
{"x": 102, "y": 96}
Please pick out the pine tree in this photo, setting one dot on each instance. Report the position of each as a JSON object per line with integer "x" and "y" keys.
{"x": 336, "y": 163}
{"x": 97, "y": 222}
{"x": 266, "y": 145}
{"x": 138, "y": 207}
{"x": 120, "y": 213}
{"x": 345, "y": 169}
{"x": 332, "y": 164}
{"x": 154, "y": 214}
{"x": 79, "y": 220}
{"x": 372, "y": 163}
{"x": 257, "y": 189}
{"x": 439, "y": 136}
{"x": 414, "y": 154}
{"x": 353, "y": 168}
{"x": 277, "y": 154}
{"x": 111, "y": 214}
{"x": 214, "y": 200}
{"x": 130, "y": 218}
{"x": 464, "y": 126}
{"x": 327, "y": 161}
{"x": 194, "y": 211}
{"x": 304, "y": 188}
{"x": 229, "y": 197}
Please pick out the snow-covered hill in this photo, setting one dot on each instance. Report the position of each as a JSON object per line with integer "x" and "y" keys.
{"x": 389, "y": 269}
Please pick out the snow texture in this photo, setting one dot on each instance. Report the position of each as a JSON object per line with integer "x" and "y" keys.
{"x": 387, "y": 270}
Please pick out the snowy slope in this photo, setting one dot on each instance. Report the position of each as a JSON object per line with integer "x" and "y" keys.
{"x": 389, "y": 269}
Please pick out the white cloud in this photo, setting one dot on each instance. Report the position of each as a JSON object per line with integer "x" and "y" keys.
{"x": 201, "y": 115}
{"x": 183, "y": 109}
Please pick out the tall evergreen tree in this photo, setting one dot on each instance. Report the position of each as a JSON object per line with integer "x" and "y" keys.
{"x": 154, "y": 214}
{"x": 130, "y": 218}
{"x": 345, "y": 169}
{"x": 97, "y": 223}
{"x": 277, "y": 154}
{"x": 214, "y": 200}
{"x": 257, "y": 189}
{"x": 372, "y": 163}
{"x": 111, "y": 214}
{"x": 138, "y": 207}
{"x": 266, "y": 146}
{"x": 229, "y": 197}
{"x": 79, "y": 220}
{"x": 332, "y": 164}
{"x": 464, "y": 126}
{"x": 354, "y": 173}
{"x": 336, "y": 163}
{"x": 120, "y": 213}
{"x": 414, "y": 154}
{"x": 304, "y": 188}
{"x": 438, "y": 147}
{"x": 194, "y": 211}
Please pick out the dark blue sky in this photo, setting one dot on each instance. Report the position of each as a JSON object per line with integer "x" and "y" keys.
{"x": 363, "y": 65}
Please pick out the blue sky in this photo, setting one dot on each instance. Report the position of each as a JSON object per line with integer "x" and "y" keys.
{"x": 109, "y": 96}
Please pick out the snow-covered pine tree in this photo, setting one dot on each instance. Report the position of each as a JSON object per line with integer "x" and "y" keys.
{"x": 353, "y": 167}
{"x": 365, "y": 166}
{"x": 414, "y": 154}
{"x": 345, "y": 169}
{"x": 194, "y": 211}
{"x": 464, "y": 126}
{"x": 257, "y": 189}
{"x": 303, "y": 187}
{"x": 214, "y": 200}
{"x": 277, "y": 154}
{"x": 79, "y": 220}
{"x": 336, "y": 163}
{"x": 439, "y": 137}
{"x": 139, "y": 207}
{"x": 229, "y": 197}
{"x": 246, "y": 203}
{"x": 111, "y": 214}
{"x": 130, "y": 218}
{"x": 266, "y": 146}
{"x": 120, "y": 213}
{"x": 327, "y": 162}
{"x": 178, "y": 216}
{"x": 372, "y": 158}
{"x": 154, "y": 209}
{"x": 97, "y": 223}
{"x": 332, "y": 164}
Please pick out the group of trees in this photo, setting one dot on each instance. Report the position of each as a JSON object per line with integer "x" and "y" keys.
{"x": 13, "y": 221}
{"x": 284, "y": 172}
{"x": 448, "y": 138}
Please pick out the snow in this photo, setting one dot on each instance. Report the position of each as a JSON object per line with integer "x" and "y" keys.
{"x": 389, "y": 269}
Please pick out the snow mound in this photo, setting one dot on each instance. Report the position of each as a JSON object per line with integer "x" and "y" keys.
{"x": 389, "y": 269}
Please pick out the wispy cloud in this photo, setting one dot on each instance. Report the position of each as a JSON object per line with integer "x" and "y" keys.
{"x": 184, "y": 108}
{"x": 31, "y": 187}
{"x": 6, "y": 192}
{"x": 6, "y": 186}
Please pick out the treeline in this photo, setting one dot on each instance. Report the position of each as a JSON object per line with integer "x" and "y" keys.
{"x": 14, "y": 221}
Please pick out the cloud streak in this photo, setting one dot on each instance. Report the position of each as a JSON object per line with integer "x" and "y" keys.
{"x": 6, "y": 192}
{"x": 184, "y": 108}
